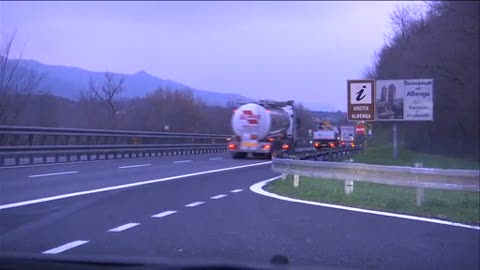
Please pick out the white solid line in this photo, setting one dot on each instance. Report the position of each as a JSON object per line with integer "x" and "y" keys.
{"x": 182, "y": 161}
{"x": 236, "y": 190}
{"x": 193, "y": 204}
{"x": 68, "y": 195}
{"x": 51, "y": 174}
{"x": 134, "y": 166}
{"x": 218, "y": 196}
{"x": 258, "y": 188}
{"x": 164, "y": 214}
{"x": 65, "y": 247}
{"x": 124, "y": 227}
{"x": 215, "y": 158}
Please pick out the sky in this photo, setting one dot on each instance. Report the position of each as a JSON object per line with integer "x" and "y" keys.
{"x": 305, "y": 51}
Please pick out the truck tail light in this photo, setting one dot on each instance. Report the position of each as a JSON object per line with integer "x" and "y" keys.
{"x": 316, "y": 144}
{"x": 231, "y": 146}
{"x": 266, "y": 146}
{"x": 285, "y": 146}
{"x": 332, "y": 145}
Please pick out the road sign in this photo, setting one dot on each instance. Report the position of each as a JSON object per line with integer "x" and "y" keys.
{"x": 404, "y": 100}
{"x": 361, "y": 100}
{"x": 360, "y": 129}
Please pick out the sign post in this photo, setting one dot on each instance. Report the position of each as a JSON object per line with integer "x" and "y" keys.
{"x": 395, "y": 141}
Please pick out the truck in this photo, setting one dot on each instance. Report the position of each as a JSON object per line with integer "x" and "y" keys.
{"x": 265, "y": 129}
{"x": 347, "y": 136}
{"x": 326, "y": 136}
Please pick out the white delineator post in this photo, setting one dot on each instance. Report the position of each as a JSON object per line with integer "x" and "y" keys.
{"x": 296, "y": 180}
{"x": 348, "y": 187}
{"x": 420, "y": 190}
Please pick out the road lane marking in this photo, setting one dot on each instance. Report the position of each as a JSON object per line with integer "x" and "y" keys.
{"x": 215, "y": 158}
{"x": 193, "y": 204}
{"x": 134, "y": 166}
{"x": 52, "y": 174}
{"x": 164, "y": 214}
{"x": 258, "y": 188}
{"x": 80, "y": 193}
{"x": 218, "y": 196}
{"x": 65, "y": 247}
{"x": 124, "y": 227}
{"x": 182, "y": 161}
{"x": 236, "y": 190}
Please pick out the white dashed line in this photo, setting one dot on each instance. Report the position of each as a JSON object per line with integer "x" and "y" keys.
{"x": 182, "y": 161}
{"x": 51, "y": 174}
{"x": 193, "y": 204}
{"x": 67, "y": 246}
{"x": 218, "y": 196}
{"x": 236, "y": 190}
{"x": 124, "y": 227}
{"x": 215, "y": 158}
{"x": 134, "y": 166}
{"x": 164, "y": 214}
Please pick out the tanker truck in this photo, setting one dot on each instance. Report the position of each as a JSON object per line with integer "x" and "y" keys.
{"x": 262, "y": 129}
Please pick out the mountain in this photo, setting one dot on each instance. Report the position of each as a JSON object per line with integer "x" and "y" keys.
{"x": 68, "y": 82}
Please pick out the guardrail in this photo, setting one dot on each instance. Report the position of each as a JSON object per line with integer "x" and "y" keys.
{"x": 20, "y": 135}
{"x": 41, "y": 145}
{"x": 419, "y": 178}
{"x": 335, "y": 154}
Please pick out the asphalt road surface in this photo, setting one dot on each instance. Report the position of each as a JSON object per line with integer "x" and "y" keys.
{"x": 200, "y": 207}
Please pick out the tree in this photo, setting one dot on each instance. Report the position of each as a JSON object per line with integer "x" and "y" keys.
{"x": 443, "y": 45}
{"x": 17, "y": 83}
{"x": 105, "y": 99}
{"x": 305, "y": 117}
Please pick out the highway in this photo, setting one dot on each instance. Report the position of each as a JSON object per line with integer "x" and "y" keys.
{"x": 201, "y": 206}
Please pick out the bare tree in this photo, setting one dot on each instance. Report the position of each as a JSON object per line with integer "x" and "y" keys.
{"x": 17, "y": 83}
{"x": 108, "y": 95}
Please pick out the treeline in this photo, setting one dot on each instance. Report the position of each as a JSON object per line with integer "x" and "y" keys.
{"x": 442, "y": 44}
{"x": 162, "y": 110}
{"x": 102, "y": 106}
{"x": 166, "y": 110}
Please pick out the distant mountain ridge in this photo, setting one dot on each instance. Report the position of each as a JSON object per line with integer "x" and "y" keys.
{"x": 68, "y": 82}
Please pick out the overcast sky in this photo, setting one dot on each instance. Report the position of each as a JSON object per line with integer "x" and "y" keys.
{"x": 279, "y": 50}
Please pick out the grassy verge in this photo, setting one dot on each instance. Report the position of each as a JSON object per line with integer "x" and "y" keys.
{"x": 382, "y": 155}
{"x": 455, "y": 206}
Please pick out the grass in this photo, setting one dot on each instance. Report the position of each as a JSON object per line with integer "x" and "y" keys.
{"x": 383, "y": 155}
{"x": 455, "y": 206}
